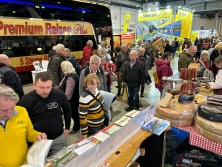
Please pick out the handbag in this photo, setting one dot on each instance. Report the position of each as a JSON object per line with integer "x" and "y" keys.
{"x": 106, "y": 121}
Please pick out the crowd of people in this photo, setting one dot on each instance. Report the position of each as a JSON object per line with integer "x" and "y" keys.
{"x": 82, "y": 91}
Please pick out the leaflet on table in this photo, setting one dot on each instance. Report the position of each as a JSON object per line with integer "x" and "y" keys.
{"x": 111, "y": 129}
{"x": 156, "y": 125}
{"x": 63, "y": 156}
{"x": 37, "y": 153}
{"x": 123, "y": 121}
{"x": 132, "y": 113}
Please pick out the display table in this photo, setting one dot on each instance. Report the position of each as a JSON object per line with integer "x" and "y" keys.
{"x": 125, "y": 153}
{"x": 199, "y": 141}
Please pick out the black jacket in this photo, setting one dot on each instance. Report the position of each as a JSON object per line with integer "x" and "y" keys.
{"x": 10, "y": 78}
{"x": 134, "y": 76}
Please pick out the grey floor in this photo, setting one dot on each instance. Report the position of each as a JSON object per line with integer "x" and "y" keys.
{"x": 151, "y": 96}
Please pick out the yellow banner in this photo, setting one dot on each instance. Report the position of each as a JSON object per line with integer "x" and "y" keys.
{"x": 155, "y": 15}
{"x": 34, "y": 27}
{"x": 186, "y": 18}
{"x": 126, "y": 23}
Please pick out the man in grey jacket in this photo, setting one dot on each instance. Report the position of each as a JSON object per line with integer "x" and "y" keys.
{"x": 94, "y": 64}
{"x": 54, "y": 65}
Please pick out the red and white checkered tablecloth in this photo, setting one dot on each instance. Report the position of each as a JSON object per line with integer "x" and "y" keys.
{"x": 197, "y": 140}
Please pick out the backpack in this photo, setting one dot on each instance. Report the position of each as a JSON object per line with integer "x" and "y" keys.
{"x": 156, "y": 77}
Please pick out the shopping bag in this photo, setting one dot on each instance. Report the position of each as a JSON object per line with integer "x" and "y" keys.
{"x": 125, "y": 94}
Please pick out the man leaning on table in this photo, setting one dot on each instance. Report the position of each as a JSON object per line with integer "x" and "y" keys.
{"x": 44, "y": 106}
{"x": 15, "y": 130}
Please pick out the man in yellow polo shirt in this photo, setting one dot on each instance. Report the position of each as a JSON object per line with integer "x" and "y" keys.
{"x": 15, "y": 130}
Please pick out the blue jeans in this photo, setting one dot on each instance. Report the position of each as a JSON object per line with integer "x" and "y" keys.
{"x": 93, "y": 130}
{"x": 133, "y": 99}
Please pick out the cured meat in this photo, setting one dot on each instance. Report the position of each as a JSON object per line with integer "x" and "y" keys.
{"x": 215, "y": 96}
{"x": 210, "y": 109}
{"x": 214, "y": 102}
{"x": 182, "y": 73}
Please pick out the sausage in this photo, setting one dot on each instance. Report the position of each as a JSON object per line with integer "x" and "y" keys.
{"x": 182, "y": 73}
{"x": 185, "y": 74}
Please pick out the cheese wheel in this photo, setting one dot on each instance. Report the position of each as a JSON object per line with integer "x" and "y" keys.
{"x": 211, "y": 126}
{"x": 211, "y": 136}
{"x": 176, "y": 111}
{"x": 173, "y": 122}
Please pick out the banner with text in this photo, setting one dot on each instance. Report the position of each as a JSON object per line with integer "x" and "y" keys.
{"x": 162, "y": 23}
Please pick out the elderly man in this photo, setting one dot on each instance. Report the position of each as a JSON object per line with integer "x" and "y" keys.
{"x": 102, "y": 45}
{"x": 87, "y": 53}
{"x": 54, "y": 67}
{"x": 121, "y": 58}
{"x": 71, "y": 58}
{"x": 94, "y": 64}
{"x": 9, "y": 77}
{"x": 15, "y": 130}
{"x": 44, "y": 106}
{"x": 133, "y": 79}
{"x": 186, "y": 57}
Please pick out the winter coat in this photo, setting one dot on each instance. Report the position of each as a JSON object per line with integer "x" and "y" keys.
{"x": 108, "y": 67}
{"x": 184, "y": 60}
{"x": 55, "y": 69}
{"x": 87, "y": 53}
{"x": 163, "y": 70}
{"x": 134, "y": 77}
{"x": 146, "y": 61}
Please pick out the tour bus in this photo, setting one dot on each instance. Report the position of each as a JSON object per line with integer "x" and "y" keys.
{"x": 27, "y": 40}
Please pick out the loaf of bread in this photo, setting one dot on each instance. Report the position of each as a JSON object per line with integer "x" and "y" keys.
{"x": 173, "y": 122}
{"x": 210, "y": 126}
{"x": 205, "y": 133}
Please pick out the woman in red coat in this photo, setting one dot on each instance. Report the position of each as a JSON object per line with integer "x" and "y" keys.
{"x": 109, "y": 69}
{"x": 87, "y": 53}
{"x": 163, "y": 69}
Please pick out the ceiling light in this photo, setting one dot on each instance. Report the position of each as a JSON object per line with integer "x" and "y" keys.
{"x": 192, "y": 10}
{"x": 36, "y": 6}
{"x": 83, "y": 11}
{"x": 149, "y": 10}
{"x": 168, "y": 7}
{"x": 157, "y": 8}
{"x": 58, "y": 2}
{"x": 183, "y": 8}
{"x": 14, "y": 11}
{"x": 140, "y": 11}
{"x": 43, "y": 7}
{"x": 179, "y": 7}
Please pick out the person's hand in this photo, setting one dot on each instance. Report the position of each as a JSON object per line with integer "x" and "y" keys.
{"x": 124, "y": 83}
{"x": 41, "y": 136}
{"x": 106, "y": 73}
{"x": 84, "y": 136}
{"x": 66, "y": 132}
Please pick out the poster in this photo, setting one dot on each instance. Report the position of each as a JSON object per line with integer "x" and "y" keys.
{"x": 162, "y": 23}
{"x": 194, "y": 35}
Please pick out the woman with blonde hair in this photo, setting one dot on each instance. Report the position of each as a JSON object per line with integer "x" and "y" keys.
{"x": 215, "y": 53}
{"x": 70, "y": 85}
{"x": 91, "y": 105}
